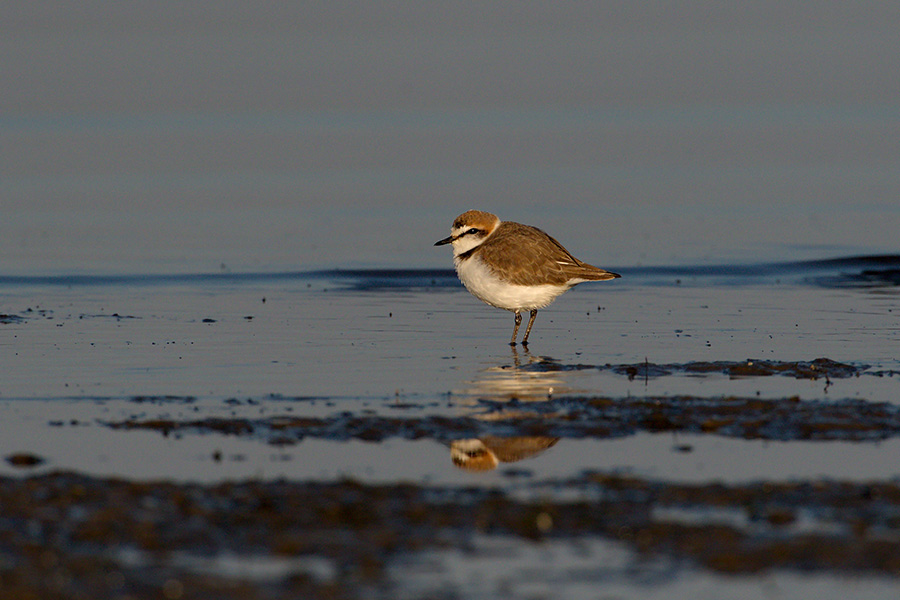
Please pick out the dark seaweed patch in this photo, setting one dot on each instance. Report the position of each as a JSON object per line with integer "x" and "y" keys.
{"x": 819, "y": 368}
{"x": 24, "y": 460}
{"x": 867, "y": 278}
{"x": 576, "y": 417}
{"x": 25, "y": 315}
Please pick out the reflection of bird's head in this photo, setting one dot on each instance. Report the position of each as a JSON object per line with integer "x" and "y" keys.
{"x": 472, "y": 455}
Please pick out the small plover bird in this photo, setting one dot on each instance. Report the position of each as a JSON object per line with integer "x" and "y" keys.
{"x": 512, "y": 266}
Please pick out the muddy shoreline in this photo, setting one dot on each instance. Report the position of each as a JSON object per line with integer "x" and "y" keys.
{"x": 64, "y": 535}
{"x": 784, "y": 419}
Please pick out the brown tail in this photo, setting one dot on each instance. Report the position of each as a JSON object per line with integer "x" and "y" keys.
{"x": 593, "y": 273}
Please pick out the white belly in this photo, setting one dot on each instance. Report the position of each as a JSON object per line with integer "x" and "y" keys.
{"x": 487, "y": 287}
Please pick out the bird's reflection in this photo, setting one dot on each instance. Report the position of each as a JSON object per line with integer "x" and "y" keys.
{"x": 527, "y": 380}
{"x": 486, "y": 453}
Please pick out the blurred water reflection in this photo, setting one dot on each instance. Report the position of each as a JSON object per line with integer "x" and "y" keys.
{"x": 516, "y": 381}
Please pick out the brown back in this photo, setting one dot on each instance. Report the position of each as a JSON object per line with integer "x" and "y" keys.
{"x": 526, "y": 255}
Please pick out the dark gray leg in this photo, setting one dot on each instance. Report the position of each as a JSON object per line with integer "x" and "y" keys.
{"x": 516, "y": 328}
{"x": 528, "y": 329}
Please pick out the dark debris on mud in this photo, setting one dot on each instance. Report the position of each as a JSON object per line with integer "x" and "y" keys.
{"x": 24, "y": 316}
{"x": 64, "y": 535}
{"x": 573, "y": 417}
{"x": 866, "y": 278}
{"x": 820, "y": 368}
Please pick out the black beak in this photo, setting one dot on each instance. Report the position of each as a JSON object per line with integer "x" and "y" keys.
{"x": 446, "y": 240}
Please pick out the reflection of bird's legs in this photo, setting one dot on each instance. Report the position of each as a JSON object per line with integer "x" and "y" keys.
{"x": 515, "y": 352}
{"x": 517, "y": 362}
{"x": 516, "y": 329}
{"x": 527, "y": 329}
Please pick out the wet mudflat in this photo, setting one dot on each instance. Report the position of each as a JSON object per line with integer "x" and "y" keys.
{"x": 356, "y": 435}
{"x": 67, "y": 535}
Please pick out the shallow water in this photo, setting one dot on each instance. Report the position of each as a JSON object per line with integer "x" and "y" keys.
{"x": 383, "y": 334}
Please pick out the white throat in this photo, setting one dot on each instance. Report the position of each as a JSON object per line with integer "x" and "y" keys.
{"x": 464, "y": 244}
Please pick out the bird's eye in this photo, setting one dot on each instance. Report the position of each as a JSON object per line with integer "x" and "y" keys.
{"x": 472, "y": 231}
